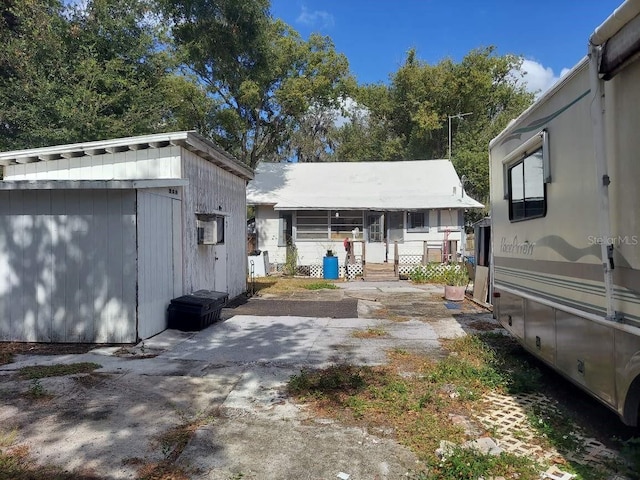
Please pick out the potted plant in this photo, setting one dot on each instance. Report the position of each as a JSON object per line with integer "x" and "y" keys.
{"x": 456, "y": 280}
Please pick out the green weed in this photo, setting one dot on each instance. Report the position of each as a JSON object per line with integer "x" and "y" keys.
{"x": 43, "y": 371}
{"x": 320, "y": 286}
{"x": 36, "y": 390}
{"x": 470, "y": 464}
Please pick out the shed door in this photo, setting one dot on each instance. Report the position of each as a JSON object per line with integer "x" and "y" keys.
{"x": 159, "y": 260}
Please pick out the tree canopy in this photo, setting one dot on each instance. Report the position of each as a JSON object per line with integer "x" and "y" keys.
{"x": 76, "y": 74}
{"x": 237, "y": 75}
{"x": 409, "y": 118}
{"x": 263, "y": 77}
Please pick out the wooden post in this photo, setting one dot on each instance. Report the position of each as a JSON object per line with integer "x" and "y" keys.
{"x": 425, "y": 253}
{"x": 364, "y": 256}
{"x": 396, "y": 258}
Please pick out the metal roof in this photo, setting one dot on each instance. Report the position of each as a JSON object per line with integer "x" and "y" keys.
{"x": 389, "y": 185}
{"x": 190, "y": 140}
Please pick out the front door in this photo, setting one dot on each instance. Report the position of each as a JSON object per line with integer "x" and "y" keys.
{"x": 376, "y": 248}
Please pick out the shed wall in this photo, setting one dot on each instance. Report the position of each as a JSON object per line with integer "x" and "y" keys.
{"x": 68, "y": 266}
{"x": 130, "y": 165}
{"x": 214, "y": 190}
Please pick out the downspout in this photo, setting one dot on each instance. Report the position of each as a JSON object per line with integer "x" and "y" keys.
{"x": 602, "y": 177}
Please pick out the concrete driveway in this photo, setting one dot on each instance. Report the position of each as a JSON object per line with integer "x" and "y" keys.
{"x": 228, "y": 381}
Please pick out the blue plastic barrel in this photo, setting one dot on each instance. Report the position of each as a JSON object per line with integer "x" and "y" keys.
{"x": 330, "y": 268}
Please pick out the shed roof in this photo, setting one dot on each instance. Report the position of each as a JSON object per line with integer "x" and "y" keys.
{"x": 190, "y": 140}
{"x": 399, "y": 185}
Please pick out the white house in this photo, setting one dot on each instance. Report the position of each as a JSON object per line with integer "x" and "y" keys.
{"x": 398, "y": 213}
{"x": 97, "y": 238}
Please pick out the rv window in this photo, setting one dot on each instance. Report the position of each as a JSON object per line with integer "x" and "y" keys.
{"x": 527, "y": 190}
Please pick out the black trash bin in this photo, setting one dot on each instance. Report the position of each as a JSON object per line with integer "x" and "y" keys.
{"x": 196, "y": 310}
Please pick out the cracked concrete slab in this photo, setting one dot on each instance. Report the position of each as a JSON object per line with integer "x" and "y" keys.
{"x": 233, "y": 374}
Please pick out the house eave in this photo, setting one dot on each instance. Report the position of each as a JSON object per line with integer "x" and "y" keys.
{"x": 91, "y": 184}
{"x": 190, "y": 140}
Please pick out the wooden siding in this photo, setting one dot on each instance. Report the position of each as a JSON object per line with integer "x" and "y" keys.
{"x": 67, "y": 266}
{"x": 155, "y": 260}
{"x": 129, "y": 165}
{"x": 212, "y": 189}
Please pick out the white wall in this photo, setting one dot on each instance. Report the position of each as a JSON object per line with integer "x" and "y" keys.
{"x": 267, "y": 228}
{"x": 68, "y": 266}
{"x": 130, "y": 165}
{"x": 212, "y": 189}
{"x": 311, "y": 252}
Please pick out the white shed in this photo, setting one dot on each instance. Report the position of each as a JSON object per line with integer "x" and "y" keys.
{"x": 97, "y": 238}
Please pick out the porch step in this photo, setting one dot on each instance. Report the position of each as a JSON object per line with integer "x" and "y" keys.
{"x": 379, "y": 272}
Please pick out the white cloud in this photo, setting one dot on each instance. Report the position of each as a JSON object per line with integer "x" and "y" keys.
{"x": 317, "y": 18}
{"x": 538, "y": 78}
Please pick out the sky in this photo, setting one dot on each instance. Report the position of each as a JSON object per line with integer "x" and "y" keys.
{"x": 551, "y": 35}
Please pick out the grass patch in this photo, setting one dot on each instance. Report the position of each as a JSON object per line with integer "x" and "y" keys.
{"x": 370, "y": 333}
{"x": 280, "y": 285}
{"x": 416, "y": 396}
{"x": 320, "y": 286}
{"x": 469, "y": 464}
{"x": 43, "y": 371}
{"x": 6, "y": 357}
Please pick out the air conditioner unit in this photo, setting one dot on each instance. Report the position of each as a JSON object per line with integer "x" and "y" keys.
{"x": 207, "y": 232}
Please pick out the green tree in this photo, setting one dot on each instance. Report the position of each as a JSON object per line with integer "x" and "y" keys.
{"x": 408, "y": 119}
{"x": 264, "y": 79}
{"x": 29, "y": 57}
{"x": 369, "y": 133}
{"x": 78, "y": 74}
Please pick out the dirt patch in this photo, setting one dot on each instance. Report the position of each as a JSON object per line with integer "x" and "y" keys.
{"x": 347, "y": 308}
{"x": 9, "y": 349}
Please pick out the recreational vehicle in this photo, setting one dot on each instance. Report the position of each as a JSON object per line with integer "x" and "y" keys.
{"x": 565, "y": 216}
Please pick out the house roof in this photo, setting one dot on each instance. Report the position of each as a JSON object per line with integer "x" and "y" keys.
{"x": 187, "y": 139}
{"x": 401, "y": 185}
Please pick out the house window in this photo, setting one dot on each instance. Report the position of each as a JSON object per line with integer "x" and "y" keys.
{"x": 210, "y": 229}
{"x": 450, "y": 220}
{"x": 527, "y": 189}
{"x": 418, "y": 221}
{"x": 343, "y": 222}
{"x": 285, "y": 230}
{"x": 312, "y": 225}
{"x": 375, "y": 227}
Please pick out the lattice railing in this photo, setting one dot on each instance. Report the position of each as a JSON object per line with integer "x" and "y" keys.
{"x": 407, "y": 265}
